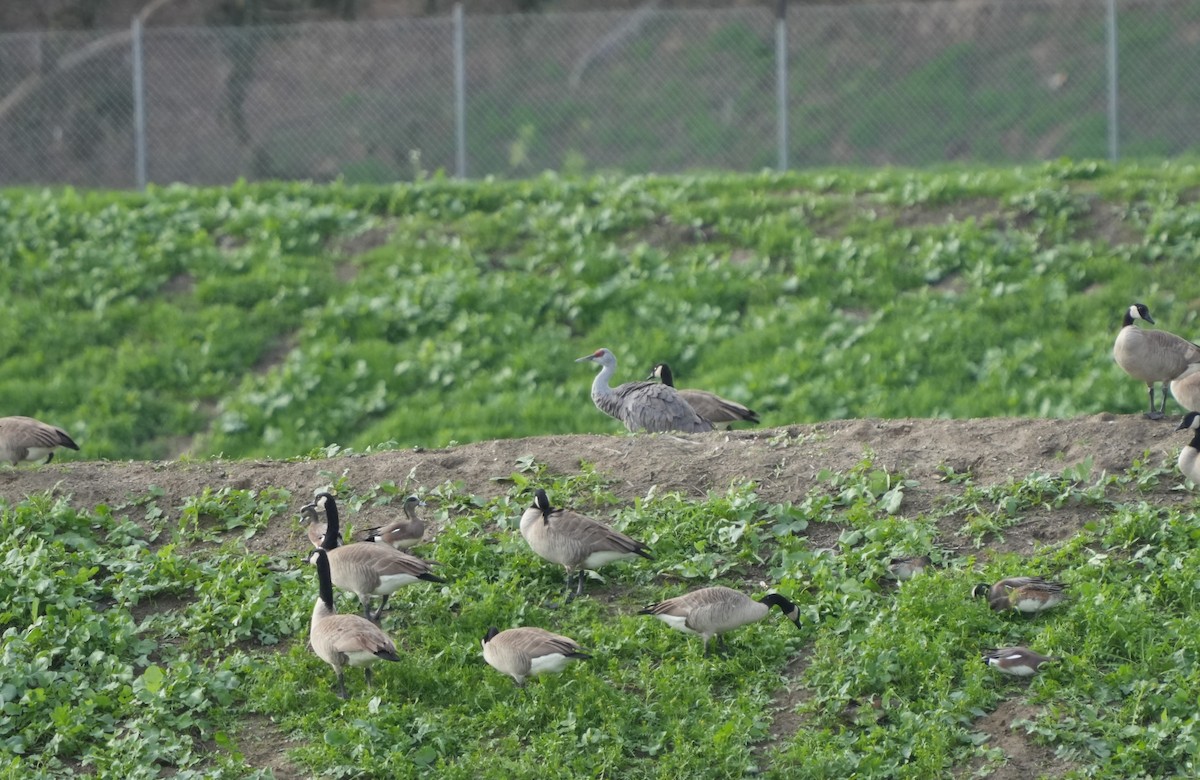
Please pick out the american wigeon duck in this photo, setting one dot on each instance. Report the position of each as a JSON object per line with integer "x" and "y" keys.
{"x": 400, "y": 534}
{"x": 1023, "y": 594}
{"x": 1017, "y": 661}
{"x": 902, "y": 569}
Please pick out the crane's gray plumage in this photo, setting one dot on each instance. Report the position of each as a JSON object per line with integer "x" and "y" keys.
{"x": 24, "y": 438}
{"x": 710, "y": 406}
{"x": 1152, "y": 355}
{"x": 344, "y": 640}
{"x": 575, "y": 541}
{"x": 712, "y": 611}
{"x": 1189, "y": 456}
{"x": 368, "y": 569}
{"x": 1017, "y": 661}
{"x": 644, "y": 405}
{"x": 401, "y": 534}
{"x": 1024, "y": 594}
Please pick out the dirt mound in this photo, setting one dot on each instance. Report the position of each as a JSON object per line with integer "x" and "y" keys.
{"x": 785, "y": 462}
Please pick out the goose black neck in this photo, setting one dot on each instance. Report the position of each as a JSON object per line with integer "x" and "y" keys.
{"x": 1196, "y": 440}
{"x": 775, "y": 600}
{"x": 333, "y": 527}
{"x": 542, "y": 502}
{"x": 1128, "y": 319}
{"x": 324, "y": 578}
{"x": 664, "y": 374}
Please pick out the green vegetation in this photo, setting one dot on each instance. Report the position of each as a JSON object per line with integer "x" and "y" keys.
{"x": 277, "y": 319}
{"x": 135, "y": 650}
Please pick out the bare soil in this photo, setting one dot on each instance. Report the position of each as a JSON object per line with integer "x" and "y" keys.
{"x": 784, "y": 462}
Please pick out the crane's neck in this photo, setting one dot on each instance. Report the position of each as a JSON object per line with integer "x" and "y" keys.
{"x": 600, "y": 385}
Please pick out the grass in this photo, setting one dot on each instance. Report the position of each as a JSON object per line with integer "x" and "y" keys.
{"x": 273, "y": 320}
{"x": 174, "y": 630}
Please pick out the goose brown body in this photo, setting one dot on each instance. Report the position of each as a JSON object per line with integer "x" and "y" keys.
{"x": 710, "y": 406}
{"x": 1189, "y": 457}
{"x": 24, "y": 438}
{"x": 575, "y": 541}
{"x": 523, "y": 652}
{"x": 1152, "y": 355}
{"x": 367, "y": 569}
{"x": 710, "y": 612}
{"x": 641, "y": 406}
{"x": 344, "y": 640}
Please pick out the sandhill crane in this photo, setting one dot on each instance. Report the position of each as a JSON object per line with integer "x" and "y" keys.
{"x": 24, "y": 438}
{"x": 1152, "y": 355}
{"x": 710, "y": 406}
{"x": 641, "y": 405}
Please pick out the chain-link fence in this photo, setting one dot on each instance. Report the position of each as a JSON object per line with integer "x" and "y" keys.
{"x": 644, "y": 91}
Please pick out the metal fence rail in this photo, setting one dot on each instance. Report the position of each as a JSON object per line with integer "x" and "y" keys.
{"x": 648, "y": 91}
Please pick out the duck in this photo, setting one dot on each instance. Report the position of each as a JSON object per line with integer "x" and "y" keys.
{"x": 711, "y": 612}
{"x": 1023, "y": 594}
{"x": 902, "y": 569}
{"x": 400, "y": 534}
{"x": 575, "y": 541}
{"x": 24, "y": 438}
{"x": 314, "y": 528}
{"x": 1189, "y": 463}
{"x": 710, "y": 406}
{"x": 1017, "y": 661}
{"x": 641, "y": 406}
{"x": 1152, "y": 355}
{"x": 367, "y": 569}
{"x": 527, "y": 651}
{"x": 344, "y": 640}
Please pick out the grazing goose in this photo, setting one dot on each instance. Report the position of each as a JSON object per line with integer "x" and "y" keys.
{"x": 401, "y": 534}
{"x": 1188, "y": 462}
{"x": 1185, "y": 388}
{"x": 524, "y": 652}
{"x": 574, "y": 540}
{"x": 344, "y": 640}
{"x": 710, "y": 406}
{"x": 313, "y": 525}
{"x": 902, "y": 569}
{"x": 1152, "y": 355}
{"x": 712, "y": 611}
{"x": 1024, "y": 594}
{"x": 1017, "y": 661}
{"x": 642, "y": 405}
{"x": 24, "y": 438}
{"x": 368, "y": 569}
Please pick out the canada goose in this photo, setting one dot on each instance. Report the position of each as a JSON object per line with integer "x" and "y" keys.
{"x": 902, "y": 569}
{"x": 710, "y": 406}
{"x": 574, "y": 540}
{"x": 1024, "y": 594}
{"x": 344, "y": 640}
{"x": 1189, "y": 464}
{"x": 524, "y": 652}
{"x": 1152, "y": 355}
{"x": 1185, "y": 388}
{"x": 24, "y": 438}
{"x": 313, "y": 525}
{"x": 642, "y": 405}
{"x": 368, "y": 569}
{"x": 712, "y": 611}
{"x": 401, "y": 534}
{"x": 1017, "y": 661}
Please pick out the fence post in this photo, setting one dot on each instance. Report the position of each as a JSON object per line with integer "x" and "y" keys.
{"x": 139, "y": 106}
{"x": 781, "y": 92}
{"x": 1111, "y": 46}
{"x": 460, "y": 94}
